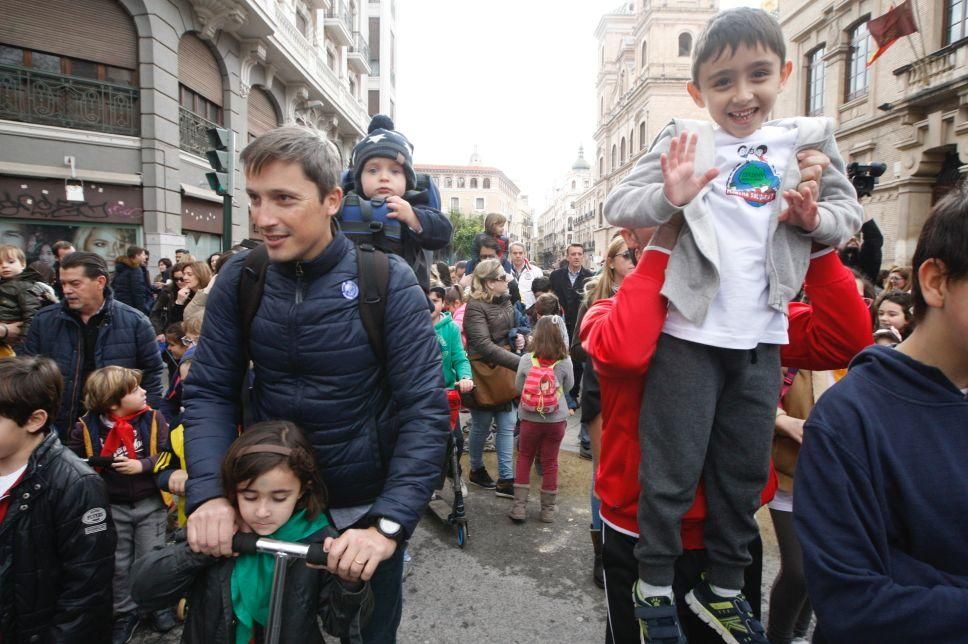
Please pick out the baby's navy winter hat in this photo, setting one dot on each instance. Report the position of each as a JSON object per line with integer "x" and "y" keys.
{"x": 383, "y": 141}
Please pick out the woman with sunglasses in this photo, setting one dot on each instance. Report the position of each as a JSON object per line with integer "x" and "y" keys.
{"x": 161, "y": 313}
{"x": 195, "y": 277}
{"x": 489, "y": 319}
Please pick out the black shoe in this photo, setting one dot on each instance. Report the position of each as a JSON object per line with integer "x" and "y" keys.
{"x": 731, "y": 617}
{"x": 163, "y": 620}
{"x": 585, "y": 451}
{"x": 125, "y": 625}
{"x": 505, "y": 488}
{"x": 658, "y": 619}
{"x": 481, "y": 478}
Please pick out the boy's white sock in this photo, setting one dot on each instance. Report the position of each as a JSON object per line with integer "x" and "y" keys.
{"x": 648, "y": 590}
{"x": 724, "y": 592}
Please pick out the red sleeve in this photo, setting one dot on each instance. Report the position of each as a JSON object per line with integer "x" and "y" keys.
{"x": 827, "y": 333}
{"x": 620, "y": 333}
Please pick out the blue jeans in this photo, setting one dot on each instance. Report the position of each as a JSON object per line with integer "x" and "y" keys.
{"x": 503, "y": 442}
{"x": 596, "y": 503}
{"x": 387, "y": 586}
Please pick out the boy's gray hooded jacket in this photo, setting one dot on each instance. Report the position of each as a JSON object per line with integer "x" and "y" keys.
{"x": 692, "y": 279}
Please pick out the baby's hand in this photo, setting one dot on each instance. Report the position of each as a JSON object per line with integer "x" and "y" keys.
{"x": 679, "y": 181}
{"x": 801, "y": 209}
{"x": 128, "y": 466}
{"x": 401, "y": 209}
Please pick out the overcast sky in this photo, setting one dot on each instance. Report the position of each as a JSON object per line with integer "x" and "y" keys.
{"x": 516, "y": 78}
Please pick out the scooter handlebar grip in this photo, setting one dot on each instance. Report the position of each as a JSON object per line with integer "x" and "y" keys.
{"x": 100, "y": 461}
{"x": 316, "y": 555}
{"x": 244, "y": 543}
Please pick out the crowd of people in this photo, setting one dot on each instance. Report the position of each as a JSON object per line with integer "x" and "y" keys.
{"x": 307, "y": 390}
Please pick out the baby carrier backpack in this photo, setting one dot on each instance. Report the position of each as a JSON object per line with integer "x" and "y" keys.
{"x": 365, "y": 221}
{"x": 541, "y": 389}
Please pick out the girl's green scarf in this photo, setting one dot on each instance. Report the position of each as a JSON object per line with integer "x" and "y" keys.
{"x": 252, "y": 576}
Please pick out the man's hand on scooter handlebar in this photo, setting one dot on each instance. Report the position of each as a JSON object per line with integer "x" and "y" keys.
{"x": 355, "y": 555}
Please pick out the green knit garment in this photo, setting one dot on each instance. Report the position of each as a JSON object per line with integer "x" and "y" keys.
{"x": 252, "y": 575}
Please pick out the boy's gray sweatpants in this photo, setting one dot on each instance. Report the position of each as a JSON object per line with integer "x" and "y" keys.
{"x": 141, "y": 529}
{"x": 706, "y": 412}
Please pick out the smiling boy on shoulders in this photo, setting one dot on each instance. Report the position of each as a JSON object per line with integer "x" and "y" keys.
{"x": 710, "y": 399}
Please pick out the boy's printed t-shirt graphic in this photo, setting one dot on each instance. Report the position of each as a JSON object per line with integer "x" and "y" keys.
{"x": 742, "y": 201}
{"x": 754, "y": 180}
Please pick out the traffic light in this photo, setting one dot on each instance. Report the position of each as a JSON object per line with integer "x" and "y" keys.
{"x": 864, "y": 176}
{"x": 221, "y": 158}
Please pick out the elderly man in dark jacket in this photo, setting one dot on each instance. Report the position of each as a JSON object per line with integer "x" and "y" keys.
{"x": 379, "y": 427}
{"x": 90, "y": 330}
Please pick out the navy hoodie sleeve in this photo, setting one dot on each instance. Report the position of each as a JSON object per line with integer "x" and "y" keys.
{"x": 862, "y": 587}
{"x": 149, "y": 361}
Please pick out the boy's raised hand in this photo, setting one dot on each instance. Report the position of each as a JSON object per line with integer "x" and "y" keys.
{"x": 679, "y": 180}
{"x": 801, "y": 209}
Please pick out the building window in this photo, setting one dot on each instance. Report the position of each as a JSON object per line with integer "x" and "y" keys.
{"x": 474, "y": 183}
{"x": 455, "y": 204}
{"x": 601, "y": 166}
{"x": 487, "y": 183}
{"x": 645, "y": 54}
{"x": 479, "y": 204}
{"x": 631, "y": 145}
{"x": 955, "y": 20}
{"x": 614, "y": 156}
{"x": 685, "y": 44}
{"x": 572, "y": 184}
{"x": 331, "y": 58}
{"x": 816, "y": 69}
{"x": 302, "y": 23}
{"x": 621, "y": 155}
{"x": 199, "y": 105}
{"x": 642, "y": 135}
{"x": 449, "y": 182}
{"x": 460, "y": 182}
{"x": 860, "y": 49}
{"x": 66, "y": 66}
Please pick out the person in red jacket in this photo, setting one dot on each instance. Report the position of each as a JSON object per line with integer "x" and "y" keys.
{"x": 824, "y": 334}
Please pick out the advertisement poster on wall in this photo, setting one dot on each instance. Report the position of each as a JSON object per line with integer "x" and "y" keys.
{"x": 110, "y": 241}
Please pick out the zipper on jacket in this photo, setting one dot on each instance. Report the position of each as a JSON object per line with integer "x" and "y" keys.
{"x": 299, "y": 283}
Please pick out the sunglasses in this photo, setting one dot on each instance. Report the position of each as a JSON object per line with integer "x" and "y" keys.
{"x": 503, "y": 277}
{"x": 180, "y": 279}
{"x": 627, "y": 255}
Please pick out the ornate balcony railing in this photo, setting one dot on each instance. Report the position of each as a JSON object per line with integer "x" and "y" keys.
{"x": 52, "y": 99}
{"x": 340, "y": 12}
{"x": 193, "y": 132}
{"x": 360, "y": 46}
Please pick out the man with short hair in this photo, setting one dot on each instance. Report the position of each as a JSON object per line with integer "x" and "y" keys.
{"x": 131, "y": 282}
{"x": 881, "y": 490}
{"x": 379, "y": 424}
{"x": 568, "y": 283}
{"x": 90, "y": 330}
{"x": 181, "y": 255}
{"x": 523, "y": 271}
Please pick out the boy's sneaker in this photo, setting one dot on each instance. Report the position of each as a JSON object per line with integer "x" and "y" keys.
{"x": 731, "y": 617}
{"x": 163, "y": 620}
{"x": 658, "y": 621}
{"x": 125, "y": 625}
{"x": 481, "y": 478}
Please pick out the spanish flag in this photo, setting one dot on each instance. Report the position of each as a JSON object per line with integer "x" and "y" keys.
{"x": 898, "y": 21}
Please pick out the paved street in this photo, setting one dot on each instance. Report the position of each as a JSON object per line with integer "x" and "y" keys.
{"x": 528, "y": 583}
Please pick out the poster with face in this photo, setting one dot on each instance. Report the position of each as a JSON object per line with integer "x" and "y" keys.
{"x": 110, "y": 241}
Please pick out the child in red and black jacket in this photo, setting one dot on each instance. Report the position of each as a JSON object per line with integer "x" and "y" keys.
{"x": 56, "y": 536}
{"x": 121, "y": 428}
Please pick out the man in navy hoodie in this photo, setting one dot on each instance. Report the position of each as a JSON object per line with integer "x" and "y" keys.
{"x": 881, "y": 487}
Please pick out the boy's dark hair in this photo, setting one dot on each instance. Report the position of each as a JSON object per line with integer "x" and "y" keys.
{"x": 944, "y": 237}
{"x": 245, "y": 462}
{"x": 443, "y": 271}
{"x": 28, "y": 384}
{"x": 486, "y": 241}
{"x": 175, "y": 330}
{"x": 735, "y": 27}
{"x": 92, "y": 263}
{"x": 134, "y": 251}
{"x": 547, "y": 304}
{"x": 547, "y": 341}
{"x": 167, "y": 262}
{"x": 440, "y": 291}
{"x": 59, "y": 246}
{"x": 461, "y": 264}
{"x": 540, "y": 285}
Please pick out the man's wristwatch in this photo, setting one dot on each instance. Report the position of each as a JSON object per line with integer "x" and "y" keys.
{"x": 389, "y": 528}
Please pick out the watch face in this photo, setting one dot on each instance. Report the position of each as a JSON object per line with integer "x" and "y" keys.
{"x": 389, "y": 527}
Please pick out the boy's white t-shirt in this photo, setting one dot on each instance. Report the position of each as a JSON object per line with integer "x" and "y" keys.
{"x": 7, "y": 482}
{"x": 742, "y": 201}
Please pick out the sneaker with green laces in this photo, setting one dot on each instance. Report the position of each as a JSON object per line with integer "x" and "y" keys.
{"x": 731, "y": 617}
{"x": 658, "y": 621}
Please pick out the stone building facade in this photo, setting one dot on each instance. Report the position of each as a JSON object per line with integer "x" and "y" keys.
{"x": 115, "y": 96}
{"x": 558, "y": 224}
{"x": 909, "y": 109}
{"x": 644, "y": 59}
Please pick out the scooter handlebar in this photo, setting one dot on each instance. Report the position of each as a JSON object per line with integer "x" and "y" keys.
{"x": 251, "y": 543}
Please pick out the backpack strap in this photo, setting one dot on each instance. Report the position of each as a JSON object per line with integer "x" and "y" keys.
{"x": 374, "y": 277}
{"x": 251, "y": 286}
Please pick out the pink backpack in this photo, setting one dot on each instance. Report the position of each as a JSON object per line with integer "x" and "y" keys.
{"x": 541, "y": 389}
